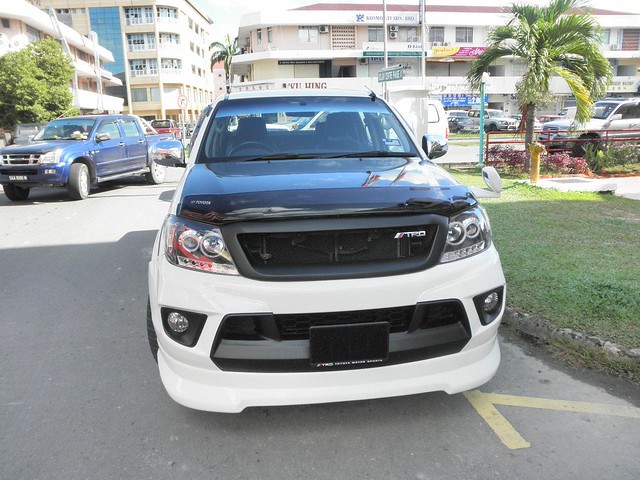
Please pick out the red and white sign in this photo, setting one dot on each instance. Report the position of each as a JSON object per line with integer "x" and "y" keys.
{"x": 183, "y": 101}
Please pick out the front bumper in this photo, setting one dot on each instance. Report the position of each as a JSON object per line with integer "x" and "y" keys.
{"x": 33, "y": 176}
{"x": 191, "y": 377}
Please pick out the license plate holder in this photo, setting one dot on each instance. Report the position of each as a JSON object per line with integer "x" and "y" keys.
{"x": 18, "y": 178}
{"x": 351, "y": 345}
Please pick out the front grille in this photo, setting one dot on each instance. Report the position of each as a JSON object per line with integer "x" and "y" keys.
{"x": 17, "y": 171}
{"x": 330, "y": 247}
{"x": 18, "y": 159}
{"x": 296, "y": 326}
{"x": 550, "y": 128}
{"x": 266, "y": 342}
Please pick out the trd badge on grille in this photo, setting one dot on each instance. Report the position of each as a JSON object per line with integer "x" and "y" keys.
{"x": 418, "y": 233}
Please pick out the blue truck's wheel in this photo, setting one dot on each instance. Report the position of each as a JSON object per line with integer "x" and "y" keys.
{"x": 79, "y": 181}
{"x": 156, "y": 173}
{"x": 16, "y": 193}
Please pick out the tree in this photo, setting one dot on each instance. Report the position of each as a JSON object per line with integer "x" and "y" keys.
{"x": 559, "y": 39}
{"x": 34, "y": 84}
{"x": 224, "y": 52}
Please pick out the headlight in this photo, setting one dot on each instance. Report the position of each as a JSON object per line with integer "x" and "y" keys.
{"x": 469, "y": 233}
{"x": 196, "y": 246}
{"x": 50, "y": 157}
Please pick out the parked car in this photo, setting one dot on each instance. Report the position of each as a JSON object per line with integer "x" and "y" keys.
{"x": 518, "y": 116}
{"x": 464, "y": 124}
{"x": 324, "y": 265}
{"x": 496, "y": 120}
{"x": 77, "y": 152}
{"x": 166, "y": 126}
{"x": 24, "y": 132}
{"x": 615, "y": 118}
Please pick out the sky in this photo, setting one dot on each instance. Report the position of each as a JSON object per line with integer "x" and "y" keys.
{"x": 226, "y": 13}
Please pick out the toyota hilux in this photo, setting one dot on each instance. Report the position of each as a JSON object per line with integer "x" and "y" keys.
{"x": 324, "y": 265}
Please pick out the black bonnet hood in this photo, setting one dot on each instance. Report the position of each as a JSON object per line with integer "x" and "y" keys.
{"x": 227, "y": 192}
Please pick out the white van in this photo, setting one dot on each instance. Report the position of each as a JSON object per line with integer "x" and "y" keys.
{"x": 423, "y": 114}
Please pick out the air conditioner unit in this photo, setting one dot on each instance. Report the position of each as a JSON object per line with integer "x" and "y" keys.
{"x": 393, "y": 34}
{"x": 615, "y": 46}
{"x": 393, "y": 28}
{"x": 363, "y": 61}
{"x": 324, "y": 28}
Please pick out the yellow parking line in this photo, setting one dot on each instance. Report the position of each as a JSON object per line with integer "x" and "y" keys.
{"x": 484, "y": 403}
{"x": 563, "y": 405}
{"x": 503, "y": 429}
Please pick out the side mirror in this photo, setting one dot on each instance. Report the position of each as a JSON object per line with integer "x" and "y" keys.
{"x": 103, "y": 137}
{"x": 435, "y": 146}
{"x": 168, "y": 153}
{"x": 617, "y": 116}
{"x": 492, "y": 180}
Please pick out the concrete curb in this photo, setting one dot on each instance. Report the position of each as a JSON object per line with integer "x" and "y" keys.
{"x": 531, "y": 326}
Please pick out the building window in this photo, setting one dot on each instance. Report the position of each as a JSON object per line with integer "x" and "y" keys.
{"x": 169, "y": 39}
{"x": 259, "y": 36}
{"x": 167, "y": 14}
{"x": 138, "y": 15}
{"x": 6, "y": 23}
{"x": 606, "y": 37}
{"x": 376, "y": 34}
{"x": 308, "y": 34}
{"x": 436, "y": 34}
{"x": 269, "y": 35}
{"x": 33, "y": 35}
{"x": 408, "y": 34}
{"x": 171, "y": 65}
{"x": 141, "y": 41}
{"x": 154, "y": 94}
{"x": 464, "y": 35}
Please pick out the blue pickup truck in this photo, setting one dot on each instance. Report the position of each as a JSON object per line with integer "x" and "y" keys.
{"x": 78, "y": 152}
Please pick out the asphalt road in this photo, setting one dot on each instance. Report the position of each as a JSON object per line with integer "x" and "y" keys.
{"x": 81, "y": 398}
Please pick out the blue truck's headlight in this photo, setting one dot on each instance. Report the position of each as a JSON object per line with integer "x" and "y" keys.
{"x": 50, "y": 157}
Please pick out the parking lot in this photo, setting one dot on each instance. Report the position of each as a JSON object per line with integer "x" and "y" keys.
{"x": 81, "y": 396}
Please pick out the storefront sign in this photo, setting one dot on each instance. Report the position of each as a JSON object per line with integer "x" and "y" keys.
{"x": 457, "y": 52}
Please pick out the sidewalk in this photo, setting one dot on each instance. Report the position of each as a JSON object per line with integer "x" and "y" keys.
{"x": 628, "y": 187}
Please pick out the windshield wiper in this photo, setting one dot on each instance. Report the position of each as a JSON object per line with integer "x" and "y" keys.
{"x": 372, "y": 153}
{"x": 281, "y": 156}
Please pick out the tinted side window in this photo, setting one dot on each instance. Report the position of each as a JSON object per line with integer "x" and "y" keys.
{"x": 111, "y": 128}
{"x": 130, "y": 129}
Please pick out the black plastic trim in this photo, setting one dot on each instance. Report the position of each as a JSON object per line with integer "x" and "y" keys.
{"x": 335, "y": 271}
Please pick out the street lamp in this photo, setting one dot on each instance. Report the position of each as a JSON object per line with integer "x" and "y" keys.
{"x": 485, "y": 79}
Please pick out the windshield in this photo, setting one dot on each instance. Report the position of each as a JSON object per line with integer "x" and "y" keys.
{"x": 601, "y": 110}
{"x": 161, "y": 124}
{"x": 271, "y": 128}
{"x": 66, "y": 129}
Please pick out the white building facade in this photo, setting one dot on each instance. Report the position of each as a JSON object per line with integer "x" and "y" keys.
{"x": 22, "y": 23}
{"x": 342, "y": 46}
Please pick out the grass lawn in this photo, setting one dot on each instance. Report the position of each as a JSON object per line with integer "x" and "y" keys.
{"x": 572, "y": 259}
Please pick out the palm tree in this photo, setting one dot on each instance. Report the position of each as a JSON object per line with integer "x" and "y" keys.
{"x": 224, "y": 52}
{"x": 559, "y": 39}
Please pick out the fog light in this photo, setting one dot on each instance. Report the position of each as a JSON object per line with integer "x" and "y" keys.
{"x": 491, "y": 301}
{"x": 177, "y": 322}
{"x": 49, "y": 171}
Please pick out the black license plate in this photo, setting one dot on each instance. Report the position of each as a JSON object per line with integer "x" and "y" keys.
{"x": 17, "y": 178}
{"x": 353, "y": 345}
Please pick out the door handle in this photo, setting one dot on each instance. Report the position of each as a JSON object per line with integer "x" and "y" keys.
{"x": 121, "y": 144}
{"x": 140, "y": 141}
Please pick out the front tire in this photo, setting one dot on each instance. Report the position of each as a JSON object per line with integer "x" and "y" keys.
{"x": 156, "y": 173}
{"x": 16, "y": 193}
{"x": 79, "y": 181}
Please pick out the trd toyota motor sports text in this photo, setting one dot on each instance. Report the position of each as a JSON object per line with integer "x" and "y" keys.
{"x": 306, "y": 265}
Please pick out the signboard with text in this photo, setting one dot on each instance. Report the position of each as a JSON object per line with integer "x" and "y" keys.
{"x": 391, "y": 73}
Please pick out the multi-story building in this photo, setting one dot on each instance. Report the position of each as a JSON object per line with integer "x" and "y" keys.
{"x": 23, "y": 23}
{"x": 161, "y": 51}
{"x": 342, "y": 46}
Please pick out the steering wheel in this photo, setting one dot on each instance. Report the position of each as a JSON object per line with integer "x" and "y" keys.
{"x": 251, "y": 147}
